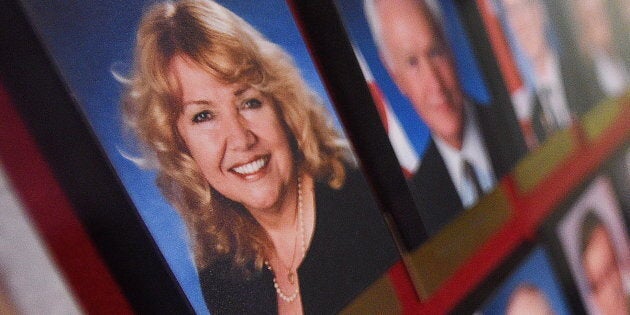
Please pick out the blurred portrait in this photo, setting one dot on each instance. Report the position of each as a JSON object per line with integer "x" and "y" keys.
{"x": 600, "y": 266}
{"x": 515, "y": 83}
{"x": 457, "y": 167}
{"x": 559, "y": 85}
{"x": 594, "y": 29}
{"x": 546, "y": 103}
{"x": 595, "y": 241}
{"x": 532, "y": 287}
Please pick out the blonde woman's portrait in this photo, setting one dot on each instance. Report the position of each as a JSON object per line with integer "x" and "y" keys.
{"x": 214, "y": 117}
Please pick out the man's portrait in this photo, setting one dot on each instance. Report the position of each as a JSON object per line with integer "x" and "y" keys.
{"x": 528, "y": 26}
{"x": 458, "y": 165}
{"x": 593, "y": 27}
{"x": 559, "y": 87}
{"x": 595, "y": 243}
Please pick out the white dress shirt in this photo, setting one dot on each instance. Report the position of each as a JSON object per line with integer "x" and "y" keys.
{"x": 474, "y": 150}
{"x": 551, "y": 93}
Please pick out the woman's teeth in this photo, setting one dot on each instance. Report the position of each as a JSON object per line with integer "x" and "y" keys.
{"x": 251, "y": 167}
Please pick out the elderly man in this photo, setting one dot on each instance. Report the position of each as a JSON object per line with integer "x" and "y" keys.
{"x": 456, "y": 169}
{"x": 563, "y": 86}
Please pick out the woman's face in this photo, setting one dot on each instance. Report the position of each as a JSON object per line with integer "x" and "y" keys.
{"x": 235, "y": 136}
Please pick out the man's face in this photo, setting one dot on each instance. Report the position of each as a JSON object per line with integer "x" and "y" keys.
{"x": 527, "y": 20}
{"x": 421, "y": 66}
{"x": 603, "y": 275}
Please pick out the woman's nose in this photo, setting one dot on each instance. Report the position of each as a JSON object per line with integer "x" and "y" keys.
{"x": 239, "y": 134}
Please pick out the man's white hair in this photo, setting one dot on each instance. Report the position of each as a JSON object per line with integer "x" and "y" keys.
{"x": 374, "y": 22}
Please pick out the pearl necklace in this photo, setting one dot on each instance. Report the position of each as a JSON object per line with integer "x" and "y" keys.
{"x": 290, "y": 298}
{"x": 286, "y": 298}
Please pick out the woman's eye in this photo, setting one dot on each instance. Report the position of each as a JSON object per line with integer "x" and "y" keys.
{"x": 252, "y": 103}
{"x": 202, "y": 116}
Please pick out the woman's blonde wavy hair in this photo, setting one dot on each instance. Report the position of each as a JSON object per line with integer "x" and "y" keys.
{"x": 233, "y": 51}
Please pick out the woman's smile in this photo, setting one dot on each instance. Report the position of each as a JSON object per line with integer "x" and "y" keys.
{"x": 251, "y": 169}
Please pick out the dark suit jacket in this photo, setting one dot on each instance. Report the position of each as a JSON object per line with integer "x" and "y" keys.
{"x": 351, "y": 248}
{"x": 431, "y": 186}
{"x": 434, "y": 192}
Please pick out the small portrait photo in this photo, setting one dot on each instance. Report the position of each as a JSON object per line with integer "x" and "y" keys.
{"x": 602, "y": 41}
{"x": 434, "y": 102}
{"x": 594, "y": 240}
{"x": 532, "y": 288}
{"x": 556, "y": 87}
{"x": 216, "y": 121}
{"x": 513, "y": 80}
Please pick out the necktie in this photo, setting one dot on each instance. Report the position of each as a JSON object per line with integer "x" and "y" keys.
{"x": 538, "y": 121}
{"x": 469, "y": 172}
{"x": 550, "y": 122}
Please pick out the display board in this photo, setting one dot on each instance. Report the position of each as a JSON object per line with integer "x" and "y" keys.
{"x": 415, "y": 156}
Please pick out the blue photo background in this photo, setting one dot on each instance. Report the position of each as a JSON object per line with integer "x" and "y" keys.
{"x": 537, "y": 271}
{"x": 467, "y": 67}
{"x": 88, "y": 41}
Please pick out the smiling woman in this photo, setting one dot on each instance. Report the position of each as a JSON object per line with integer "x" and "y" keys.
{"x": 280, "y": 219}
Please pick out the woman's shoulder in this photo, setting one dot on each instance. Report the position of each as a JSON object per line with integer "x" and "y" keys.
{"x": 355, "y": 178}
{"x": 230, "y": 291}
{"x": 351, "y": 245}
{"x": 352, "y": 204}
{"x": 354, "y": 189}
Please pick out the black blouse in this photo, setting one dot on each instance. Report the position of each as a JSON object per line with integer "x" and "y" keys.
{"x": 351, "y": 248}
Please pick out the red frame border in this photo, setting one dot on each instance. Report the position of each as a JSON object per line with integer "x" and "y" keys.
{"x": 53, "y": 216}
{"x": 530, "y": 211}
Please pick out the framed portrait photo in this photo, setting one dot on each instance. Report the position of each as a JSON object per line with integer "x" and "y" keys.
{"x": 593, "y": 247}
{"x": 221, "y": 141}
{"x": 598, "y": 28}
{"x": 555, "y": 84}
{"x": 525, "y": 284}
{"x": 432, "y": 131}
{"x": 453, "y": 131}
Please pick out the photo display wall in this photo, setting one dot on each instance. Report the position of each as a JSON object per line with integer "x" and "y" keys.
{"x": 291, "y": 145}
{"x": 344, "y": 156}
